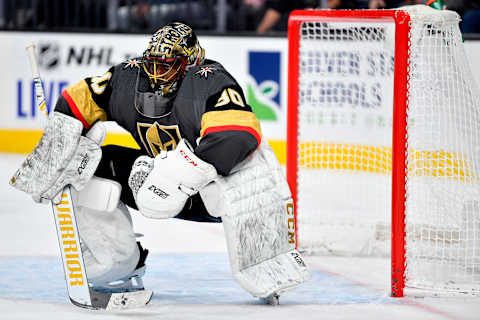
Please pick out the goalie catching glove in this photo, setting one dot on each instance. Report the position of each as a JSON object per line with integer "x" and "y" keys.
{"x": 62, "y": 157}
{"x": 161, "y": 186}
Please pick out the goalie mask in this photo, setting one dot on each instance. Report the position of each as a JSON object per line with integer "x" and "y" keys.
{"x": 151, "y": 104}
{"x": 172, "y": 51}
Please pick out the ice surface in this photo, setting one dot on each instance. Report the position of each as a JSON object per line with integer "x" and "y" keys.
{"x": 188, "y": 270}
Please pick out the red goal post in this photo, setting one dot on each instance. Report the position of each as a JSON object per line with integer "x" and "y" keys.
{"x": 309, "y": 64}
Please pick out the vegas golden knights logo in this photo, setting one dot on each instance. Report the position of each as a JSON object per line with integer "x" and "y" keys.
{"x": 156, "y": 137}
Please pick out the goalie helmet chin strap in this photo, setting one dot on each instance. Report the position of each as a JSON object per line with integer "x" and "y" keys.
{"x": 151, "y": 104}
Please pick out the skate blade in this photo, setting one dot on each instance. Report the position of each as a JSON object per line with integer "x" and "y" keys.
{"x": 273, "y": 300}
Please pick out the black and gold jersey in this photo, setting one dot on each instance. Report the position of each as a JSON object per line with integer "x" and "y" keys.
{"x": 209, "y": 110}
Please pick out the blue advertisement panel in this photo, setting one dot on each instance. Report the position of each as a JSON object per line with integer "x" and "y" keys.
{"x": 263, "y": 90}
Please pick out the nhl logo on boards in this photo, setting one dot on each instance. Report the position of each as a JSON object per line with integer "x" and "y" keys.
{"x": 49, "y": 55}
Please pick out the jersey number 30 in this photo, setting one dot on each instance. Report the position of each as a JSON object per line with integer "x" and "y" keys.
{"x": 230, "y": 95}
{"x": 98, "y": 84}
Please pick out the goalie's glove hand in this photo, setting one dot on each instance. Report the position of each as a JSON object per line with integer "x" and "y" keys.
{"x": 176, "y": 175}
{"x": 62, "y": 157}
{"x": 140, "y": 170}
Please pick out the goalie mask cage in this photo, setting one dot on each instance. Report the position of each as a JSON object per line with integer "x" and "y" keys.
{"x": 383, "y": 142}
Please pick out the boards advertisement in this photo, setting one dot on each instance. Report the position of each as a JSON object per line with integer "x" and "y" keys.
{"x": 259, "y": 64}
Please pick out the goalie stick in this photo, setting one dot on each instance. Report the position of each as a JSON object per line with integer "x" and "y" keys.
{"x": 79, "y": 292}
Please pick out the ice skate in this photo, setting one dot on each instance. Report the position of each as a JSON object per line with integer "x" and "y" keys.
{"x": 273, "y": 299}
{"x": 130, "y": 283}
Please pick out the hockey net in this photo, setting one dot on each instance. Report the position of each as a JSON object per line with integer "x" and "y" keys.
{"x": 359, "y": 80}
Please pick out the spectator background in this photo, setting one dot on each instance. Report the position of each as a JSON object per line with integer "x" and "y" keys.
{"x": 388, "y": 4}
{"x": 277, "y": 11}
{"x": 470, "y": 13}
{"x": 145, "y": 16}
{"x": 345, "y": 4}
{"x": 276, "y": 15}
{"x": 245, "y": 15}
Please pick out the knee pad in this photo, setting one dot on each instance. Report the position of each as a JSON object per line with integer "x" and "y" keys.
{"x": 109, "y": 245}
{"x": 99, "y": 194}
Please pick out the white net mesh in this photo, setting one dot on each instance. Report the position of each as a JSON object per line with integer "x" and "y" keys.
{"x": 345, "y": 127}
{"x": 443, "y": 185}
{"x": 345, "y": 132}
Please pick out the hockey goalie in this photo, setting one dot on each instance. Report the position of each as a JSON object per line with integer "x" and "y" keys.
{"x": 202, "y": 158}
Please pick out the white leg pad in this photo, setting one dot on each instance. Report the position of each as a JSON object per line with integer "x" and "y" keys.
{"x": 275, "y": 275}
{"x": 108, "y": 243}
{"x": 257, "y": 213}
{"x": 261, "y": 262}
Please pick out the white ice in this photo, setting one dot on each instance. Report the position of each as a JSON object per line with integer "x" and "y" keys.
{"x": 189, "y": 272}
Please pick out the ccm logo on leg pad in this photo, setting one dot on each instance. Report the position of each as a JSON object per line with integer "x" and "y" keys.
{"x": 159, "y": 192}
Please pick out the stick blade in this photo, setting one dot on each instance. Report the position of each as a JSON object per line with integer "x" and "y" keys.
{"x": 129, "y": 300}
{"x": 117, "y": 301}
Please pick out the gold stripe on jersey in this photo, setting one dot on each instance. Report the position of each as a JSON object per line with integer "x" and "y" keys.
{"x": 84, "y": 103}
{"x": 227, "y": 120}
